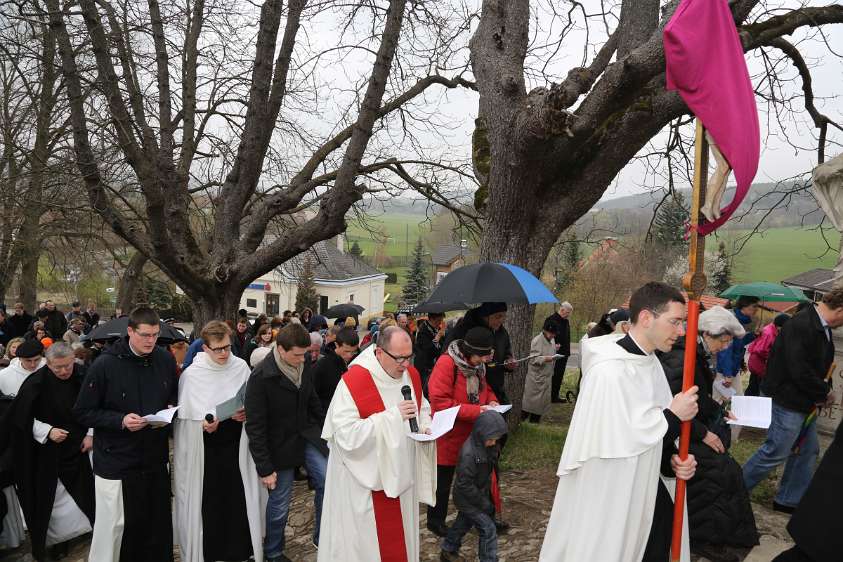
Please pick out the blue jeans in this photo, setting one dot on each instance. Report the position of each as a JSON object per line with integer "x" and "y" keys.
{"x": 278, "y": 503}
{"x": 488, "y": 541}
{"x": 784, "y": 430}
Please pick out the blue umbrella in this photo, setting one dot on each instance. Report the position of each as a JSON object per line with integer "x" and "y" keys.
{"x": 491, "y": 282}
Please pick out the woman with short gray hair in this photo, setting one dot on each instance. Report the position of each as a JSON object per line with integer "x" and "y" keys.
{"x": 719, "y": 513}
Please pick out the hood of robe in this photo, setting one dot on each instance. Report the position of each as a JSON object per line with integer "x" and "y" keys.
{"x": 206, "y": 383}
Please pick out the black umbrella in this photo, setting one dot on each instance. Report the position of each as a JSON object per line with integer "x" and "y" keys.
{"x": 344, "y": 310}
{"x": 117, "y": 328}
{"x": 440, "y": 307}
{"x": 491, "y": 282}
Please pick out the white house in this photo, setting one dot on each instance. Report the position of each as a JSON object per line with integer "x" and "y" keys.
{"x": 339, "y": 278}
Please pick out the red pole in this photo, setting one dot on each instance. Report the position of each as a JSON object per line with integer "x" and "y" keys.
{"x": 685, "y": 436}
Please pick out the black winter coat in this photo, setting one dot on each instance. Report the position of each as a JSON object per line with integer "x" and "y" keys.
{"x": 56, "y": 324}
{"x": 20, "y": 324}
{"x": 719, "y": 510}
{"x": 426, "y": 349}
{"x": 799, "y": 363}
{"x": 815, "y": 526}
{"x": 472, "y": 487}
{"x": 563, "y": 332}
{"x": 280, "y": 418}
{"x": 120, "y": 383}
{"x": 327, "y": 374}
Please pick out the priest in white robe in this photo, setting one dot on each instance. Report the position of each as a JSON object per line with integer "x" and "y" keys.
{"x": 377, "y": 475}
{"x": 29, "y": 358}
{"x": 612, "y": 504}
{"x": 219, "y": 499}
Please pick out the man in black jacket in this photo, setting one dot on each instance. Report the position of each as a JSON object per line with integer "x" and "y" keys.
{"x": 428, "y": 345}
{"x": 559, "y": 319}
{"x": 131, "y": 379}
{"x": 19, "y": 321}
{"x": 54, "y": 322}
{"x": 284, "y": 422}
{"x": 798, "y": 381}
{"x": 333, "y": 364}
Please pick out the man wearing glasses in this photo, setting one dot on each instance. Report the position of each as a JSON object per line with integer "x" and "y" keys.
{"x": 283, "y": 422}
{"x": 611, "y": 503}
{"x": 131, "y": 379}
{"x": 377, "y": 475}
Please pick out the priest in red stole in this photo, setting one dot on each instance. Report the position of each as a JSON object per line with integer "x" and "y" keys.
{"x": 377, "y": 475}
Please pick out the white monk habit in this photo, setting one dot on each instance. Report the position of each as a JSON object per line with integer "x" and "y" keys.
{"x": 373, "y": 454}
{"x": 203, "y": 386}
{"x": 13, "y": 534}
{"x": 609, "y": 470}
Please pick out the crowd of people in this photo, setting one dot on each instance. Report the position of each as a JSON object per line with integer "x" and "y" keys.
{"x": 255, "y": 405}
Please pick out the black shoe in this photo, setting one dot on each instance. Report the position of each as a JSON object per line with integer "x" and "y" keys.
{"x": 281, "y": 558}
{"x": 557, "y": 400}
{"x": 502, "y": 526}
{"x": 782, "y": 508}
{"x": 437, "y": 528}
{"x": 716, "y": 553}
{"x": 299, "y": 474}
{"x": 59, "y": 551}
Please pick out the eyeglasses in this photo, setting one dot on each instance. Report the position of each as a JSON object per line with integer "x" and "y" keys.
{"x": 675, "y": 322}
{"x": 221, "y": 350}
{"x": 399, "y": 360}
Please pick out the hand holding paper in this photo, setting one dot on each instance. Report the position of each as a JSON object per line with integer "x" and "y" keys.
{"x": 162, "y": 417}
{"x": 752, "y": 411}
{"x": 443, "y": 422}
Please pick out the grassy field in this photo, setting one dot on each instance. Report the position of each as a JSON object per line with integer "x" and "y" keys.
{"x": 398, "y": 231}
{"x": 780, "y": 253}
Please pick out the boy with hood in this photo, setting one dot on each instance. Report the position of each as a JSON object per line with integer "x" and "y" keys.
{"x": 473, "y": 489}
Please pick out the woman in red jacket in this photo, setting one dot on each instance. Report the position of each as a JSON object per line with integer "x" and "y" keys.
{"x": 458, "y": 379}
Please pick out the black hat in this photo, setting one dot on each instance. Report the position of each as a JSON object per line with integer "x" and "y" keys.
{"x": 489, "y": 308}
{"x": 29, "y": 349}
{"x": 479, "y": 340}
{"x": 550, "y": 326}
{"x": 74, "y": 304}
{"x": 780, "y": 320}
{"x": 619, "y": 315}
{"x": 42, "y": 313}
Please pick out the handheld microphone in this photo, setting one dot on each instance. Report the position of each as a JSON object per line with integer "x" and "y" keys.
{"x": 209, "y": 418}
{"x": 405, "y": 392}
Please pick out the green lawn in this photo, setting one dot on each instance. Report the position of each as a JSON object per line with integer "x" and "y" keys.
{"x": 393, "y": 228}
{"x": 780, "y": 253}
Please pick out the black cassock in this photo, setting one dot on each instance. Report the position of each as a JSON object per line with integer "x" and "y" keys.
{"x": 225, "y": 525}
{"x": 38, "y": 467}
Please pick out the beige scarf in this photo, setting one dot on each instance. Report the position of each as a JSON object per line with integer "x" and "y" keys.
{"x": 292, "y": 373}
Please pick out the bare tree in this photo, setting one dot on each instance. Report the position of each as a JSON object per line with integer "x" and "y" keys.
{"x": 209, "y": 107}
{"x": 562, "y": 143}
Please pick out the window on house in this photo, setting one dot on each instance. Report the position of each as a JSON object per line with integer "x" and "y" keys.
{"x": 351, "y": 297}
{"x": 251, "y": 303}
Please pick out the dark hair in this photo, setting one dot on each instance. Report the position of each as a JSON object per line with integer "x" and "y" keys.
{"x": 743, "y": 302}
{"x": 143, "y": 315}
{"x": 348, "y": 336}
{"x": 655, "y": 297}
{"x": 434, "y": 315}
{"x": 780, "y": 320}
{"x": 833, "y": 299}
{"x": 293, "y": 335}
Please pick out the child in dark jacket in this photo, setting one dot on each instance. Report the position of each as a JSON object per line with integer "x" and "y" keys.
{"x": 472, "y": 489}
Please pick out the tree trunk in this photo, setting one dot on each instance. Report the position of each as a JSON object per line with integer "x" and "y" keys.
{"x": 221, "y": 304}
{"x": 28, "y": 281}
{"x": 130, "y": 283}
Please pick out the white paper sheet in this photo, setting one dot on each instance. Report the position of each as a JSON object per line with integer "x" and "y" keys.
{"x": 752, "y": 411}
{"x": 725, "y": 391}
{"x": 442, "y": 423}
{"x": 503, "y": 409}
{"x": 225, "y": 410}
{"x": 162, "y": 417}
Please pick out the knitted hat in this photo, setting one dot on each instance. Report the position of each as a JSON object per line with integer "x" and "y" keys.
{"x": 489, "y": 308}
{"x": 29, "y": 349}
{"x": 479, "y": 340}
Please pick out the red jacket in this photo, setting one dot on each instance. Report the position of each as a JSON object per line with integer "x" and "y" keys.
{"x": 447, "y": 389}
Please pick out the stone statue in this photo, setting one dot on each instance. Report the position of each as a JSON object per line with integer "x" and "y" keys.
{"x": 716, "y": 186}
{"x": 828, "y": 190}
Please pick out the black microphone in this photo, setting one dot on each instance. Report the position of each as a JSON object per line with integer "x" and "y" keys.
{"x": 405, "y": 391}
{"x": 209, "y": 418}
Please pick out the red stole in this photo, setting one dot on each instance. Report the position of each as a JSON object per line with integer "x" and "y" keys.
{"x": 388, "y": 520}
